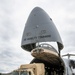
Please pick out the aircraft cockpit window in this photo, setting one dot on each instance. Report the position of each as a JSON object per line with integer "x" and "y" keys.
{"x": 46, "y": 46}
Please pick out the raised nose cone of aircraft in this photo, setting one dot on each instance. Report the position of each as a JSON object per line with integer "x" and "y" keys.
{"x": 39, "y": 28}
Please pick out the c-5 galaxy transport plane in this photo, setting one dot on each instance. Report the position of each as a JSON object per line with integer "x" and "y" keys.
{"x": 40, "y": 29}
{"x": 39, "y": 32}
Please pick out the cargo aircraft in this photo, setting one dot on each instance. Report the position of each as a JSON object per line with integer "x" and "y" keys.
{"x": 38, "y": 33}
{"x": 40, "y": 29}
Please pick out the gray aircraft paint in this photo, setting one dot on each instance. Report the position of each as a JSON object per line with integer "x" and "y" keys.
{"x": 39, "y": 28}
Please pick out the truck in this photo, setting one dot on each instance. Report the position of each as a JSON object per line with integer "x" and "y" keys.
{"x": 30, "y": 69}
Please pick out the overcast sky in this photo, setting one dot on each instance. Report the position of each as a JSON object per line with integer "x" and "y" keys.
{"x": 13, "y": 16}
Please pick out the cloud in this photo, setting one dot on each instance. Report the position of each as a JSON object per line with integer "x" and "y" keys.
{"x": 13, "y": 16}
{"x": 11, "y": 55}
